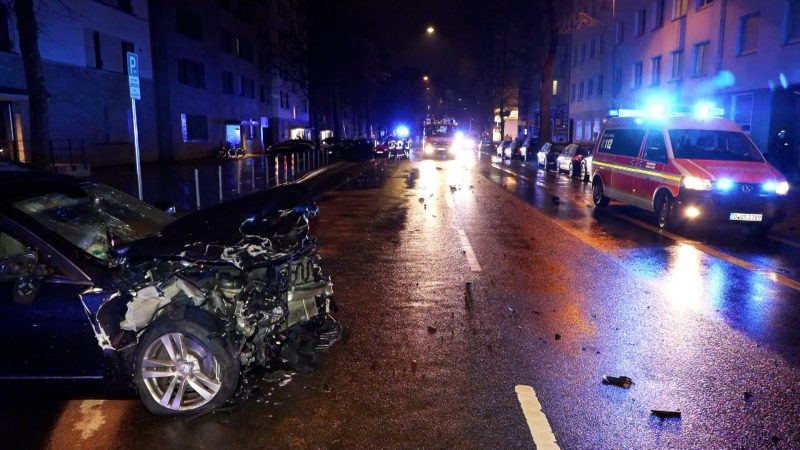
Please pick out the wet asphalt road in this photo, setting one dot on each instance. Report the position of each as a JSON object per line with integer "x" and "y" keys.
{"x": 561, "y": 294}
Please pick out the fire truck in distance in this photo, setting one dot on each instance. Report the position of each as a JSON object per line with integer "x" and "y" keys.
{"x": 440, "y": 137}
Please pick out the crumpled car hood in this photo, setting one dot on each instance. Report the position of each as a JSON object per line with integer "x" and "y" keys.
{"x": 246, "y": 232}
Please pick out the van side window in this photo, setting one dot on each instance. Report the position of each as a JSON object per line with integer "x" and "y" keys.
{"x": 622, "y": 142}
{"x": 655, "y": 149}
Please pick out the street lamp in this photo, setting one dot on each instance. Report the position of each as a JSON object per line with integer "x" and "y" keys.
{"x": 430, "y": 29}
{"x": 425, "y": 78}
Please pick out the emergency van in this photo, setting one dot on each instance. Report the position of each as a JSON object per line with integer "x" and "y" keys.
{"x": 687, "y": 168}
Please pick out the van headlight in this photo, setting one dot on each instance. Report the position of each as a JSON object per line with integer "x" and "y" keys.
{"x": 697, "y": 184}
{"x": 782, "y": 188}
{"x": 429, "y": 148}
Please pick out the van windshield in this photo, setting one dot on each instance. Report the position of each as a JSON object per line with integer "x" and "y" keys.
{"x": 713, "y": 145}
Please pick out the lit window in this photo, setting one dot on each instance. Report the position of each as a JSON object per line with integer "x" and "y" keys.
{"x": 676, "y": 58}
{"x": 681, "y": 8}
{"x": 555, "y": 87}
{"x": 748, "y": 33}
{"x": 701, "y": 55}
{"x": 655, "y": 71}
{"x": 793, "y": 21}
{"x": 638, "y": 68}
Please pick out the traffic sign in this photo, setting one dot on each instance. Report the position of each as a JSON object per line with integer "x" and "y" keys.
{"x": 133, "y": 76}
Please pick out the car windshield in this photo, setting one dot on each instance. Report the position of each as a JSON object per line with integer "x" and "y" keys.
{"x": 86, "y": 221}
{"x": 713, "y": 145}
{"x": 439, "y": 130}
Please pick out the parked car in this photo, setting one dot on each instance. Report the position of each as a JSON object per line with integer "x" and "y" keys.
{"x": 526, "y": 147}
{"x": 101, "y": 287}
{"x": 501, "y": 147}
{"x": 547, "y": 155}
{"x": 688, "y": 170}
{"x": 571, "y": 159}
{"x": 486, "y": 146}
{"x": 511, "y": 150}
{"x": 290, "y": 147}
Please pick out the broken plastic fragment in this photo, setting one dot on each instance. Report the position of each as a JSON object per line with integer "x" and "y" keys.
{"x": 432, "y": 329}
{"x": 665, "y": 414}
{"x": 622, "y": 381}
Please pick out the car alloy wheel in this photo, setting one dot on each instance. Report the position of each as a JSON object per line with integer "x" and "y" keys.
{"x": 665, "y": 212}
{"x": 180, "y": 372}
{"x": 584, "y": 175}
{"x": 598, "y": 194}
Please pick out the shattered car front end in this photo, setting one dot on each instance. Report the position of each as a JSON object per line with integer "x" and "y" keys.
{"x": 185, "y": 311}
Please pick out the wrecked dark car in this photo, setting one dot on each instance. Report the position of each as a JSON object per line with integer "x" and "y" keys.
{"x": 96, "y": 285}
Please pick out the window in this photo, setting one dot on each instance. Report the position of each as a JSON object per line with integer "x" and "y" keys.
{"x": 126, "y": 47}
{"x": 284, "y": 100}
{"x": 638, "y": 69}
{"x": 580, "y": 92}
{"x": 713, "y": 145}
{"x": 592, "y": 49}
{"x": 658, "y": 14}
{"x": 676, "y": 60}
{"x": 748, "y": 33}
{"x": 227, "y": 83}
{"x": 98, "y": 54}
{"x": 655, "y": 71}
{"x": 122, "y": 5}
{"x": 225, "y": 41}
{"x": 261, "y": 95}
{"x": 191, "y": 73}
{"x": 640, "y": 22}
{"x": 617, "y": 81}
{"x": 701, "y": 55}
{"x": 600, "y": 82}
{"x": 5, "y": 32}
{"x": 583, "y": 53}
{"x": 626, "y": 142}
{"x": 244, "y": 49}
{"x": 578, "y": 130}
{"x": 681, "y": 8}
{"x": 602, "y": 43}
{"x": 189, "y": 24}
{"x": 194, "y": 127}
{"x": 572, "y": 93}
{"x": 742, "y": 111}
{"x": 703, "y": 3}
{"x": 793, "y": 21}
{"x": 248, "y": 87}
{"x": 655, "y": 149}
{"x": 619, "y": 32}
{"x": 304, "y": 105}
{"x": 575, "y": 56}
{"x": 590, "y": 88}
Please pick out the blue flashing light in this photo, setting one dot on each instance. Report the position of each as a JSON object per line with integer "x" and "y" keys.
{"x": 707, "y": 110}
{"x": 724, "y": 184}
{"x": 657, "y": 109}
{"x": 459, "y": 134}
{"x": 402, "y": 131}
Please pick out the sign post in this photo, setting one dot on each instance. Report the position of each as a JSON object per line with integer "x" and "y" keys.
{"x": 136, "y": 94}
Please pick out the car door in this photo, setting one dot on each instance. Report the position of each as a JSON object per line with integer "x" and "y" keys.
{"x": 542, "y": 155}
{"x": 626, "y": 146}
{"x": 45, "y": 331}
{"x": 652, "y": 163}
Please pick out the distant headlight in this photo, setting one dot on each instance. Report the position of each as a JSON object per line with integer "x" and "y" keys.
{"x": 469, "y": 144}
{"x": 697, "y": 184}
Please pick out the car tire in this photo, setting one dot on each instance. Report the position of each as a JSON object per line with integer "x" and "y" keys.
{"x": 584, "y": 173}
{"x": 572, "y": 171}
{"x": 198, "y": 360}
{"x": 664, "y": 207}
{"x": 598, "y": 194}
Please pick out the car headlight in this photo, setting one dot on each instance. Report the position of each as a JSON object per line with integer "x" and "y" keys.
{"x": 782, "y": 188}
{"x": 429, "y": 148}
{"x": 697, "y": 184}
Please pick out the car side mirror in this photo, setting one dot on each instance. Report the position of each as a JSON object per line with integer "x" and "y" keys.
{"x": 20, "y": 265}
{"x": 166, "y": 206}
{"x": 26, "y": 288}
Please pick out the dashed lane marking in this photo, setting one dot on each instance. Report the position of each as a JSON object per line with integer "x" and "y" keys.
{"x": 471, "y": 259}
{"x": 542, "y": 434}
{"x": 770, "y": 274}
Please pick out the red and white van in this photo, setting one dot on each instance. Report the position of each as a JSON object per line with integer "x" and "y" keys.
{"x": 687, "y": 169}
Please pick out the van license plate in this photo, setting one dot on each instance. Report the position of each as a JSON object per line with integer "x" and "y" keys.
{"x": 746, "y": 217}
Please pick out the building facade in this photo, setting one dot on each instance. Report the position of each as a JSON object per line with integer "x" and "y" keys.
{"x": 740, "y": 54}
{"x": 82, "y": 45}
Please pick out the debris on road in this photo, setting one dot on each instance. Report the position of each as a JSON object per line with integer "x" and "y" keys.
{"x": 439, "y": 168}
{"x": 748, "y": 396}
{"x": 621, "y": 381}
{"x": 555, "y": 200}
{"x": 453, "y": 188}
{"x": 510, "y": 309}
{"x": 665, "y": 414}
{"x": 432, "y": 329}
{"x": 413, "y": 365}
{"x": 421, "y": 199}
{"x": 558, "y": 337}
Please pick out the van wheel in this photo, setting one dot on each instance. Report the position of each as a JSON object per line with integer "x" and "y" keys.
{"x": 664, "y": 215}
{"x": 598, "y": 194}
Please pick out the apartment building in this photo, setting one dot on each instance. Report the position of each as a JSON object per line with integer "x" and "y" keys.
{"x": 83, "y": 45}
{"x": 741, "y": 54}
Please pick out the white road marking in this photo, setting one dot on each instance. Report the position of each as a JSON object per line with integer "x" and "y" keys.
{"x": 541, "y": 432}
{"x": 770, "y": 274}
{"x": 471, "y": 259}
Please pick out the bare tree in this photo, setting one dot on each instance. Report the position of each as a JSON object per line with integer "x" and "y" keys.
{"x": 38, "y": 97}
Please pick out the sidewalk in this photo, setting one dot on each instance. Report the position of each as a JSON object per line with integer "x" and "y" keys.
{"x": 789, "y": 229}
{"x": 175, "y": 181}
